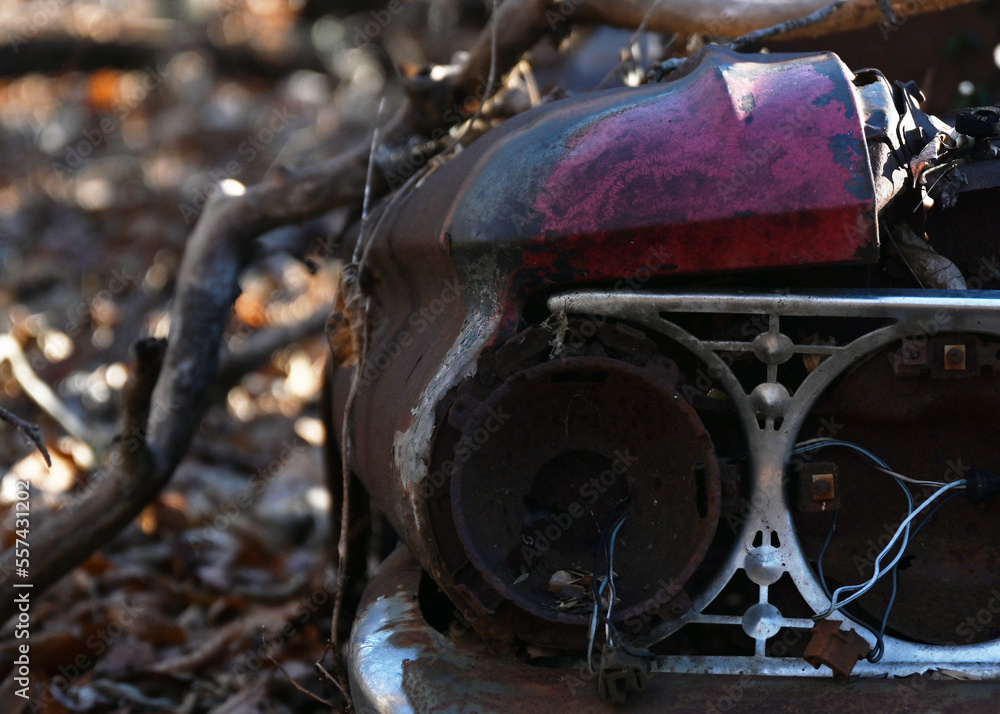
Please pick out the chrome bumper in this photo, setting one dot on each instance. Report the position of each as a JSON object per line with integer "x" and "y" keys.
{"x": 399, "y": 663}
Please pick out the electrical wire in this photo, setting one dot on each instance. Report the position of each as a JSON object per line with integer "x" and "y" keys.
{"x": 611, "y": 632}
{"x": 822, "y": 552}
{"x": 903, "y": 527}
{"x": 606, "y": 548}
{"x": 879, "y": 646}
{"x": 610, "y": 580}
{"x": 814, "y": 444}
{"x": 907, "y": 479}
{"x": 862, "y": 588}
{"x": 874, "y": 656}
{"x": 875, "y": 653}
{"x": 878, "y": 649}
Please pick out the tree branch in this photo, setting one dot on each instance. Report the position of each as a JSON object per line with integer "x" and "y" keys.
{"x": 160, "y": 420}
{"x": 522, "y": 23}
{"x": 129, "y": 482}
{"x": 31, "y": 432}
{"x": 40, "y": 393}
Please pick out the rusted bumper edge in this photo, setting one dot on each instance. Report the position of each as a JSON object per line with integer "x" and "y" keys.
{"x": 399, "y": 663}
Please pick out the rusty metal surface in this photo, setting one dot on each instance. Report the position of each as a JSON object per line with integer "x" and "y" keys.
{"x": 528, "y": 464}
{"x": 604, "y": 188}
{"x": 453, "y": 256}
{"x": 741, "y": 164}
{"x": 401, "y": 664}
{"x": 583, "y": 434}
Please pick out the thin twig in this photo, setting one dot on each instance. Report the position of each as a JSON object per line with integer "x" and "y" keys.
{"x": 645, "y": 21}
{"x": 631, "y": 43}
{"x": 333, "y": 680}
{"x": 530, "y": 84}
{"x": 346, "y": 454}
{"x": 40, "y": 393}
{"x": 356, "y": 307}
{"x": 490, "y": 80}
{"x": 366, "y": 201}
{"x": 782, "y": 27}
{"x": 298, "y": 686}
{"x": 31, "y": 432}
{"x": 357, "y": 310}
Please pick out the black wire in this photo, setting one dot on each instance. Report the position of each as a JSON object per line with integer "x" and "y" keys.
{"x": 876, "y": 652}
{"x": 878, "y": 649}
{"x": 930, "y": 514}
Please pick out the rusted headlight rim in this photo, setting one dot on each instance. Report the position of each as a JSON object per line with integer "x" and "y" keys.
{"x": 470, "y": 525}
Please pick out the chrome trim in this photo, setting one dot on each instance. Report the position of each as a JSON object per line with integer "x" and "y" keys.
{"x": 910, "y": 313}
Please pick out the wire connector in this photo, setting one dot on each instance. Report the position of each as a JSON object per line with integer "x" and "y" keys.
{"x": 981, "y": 485}
{"x": 837, "y": 649}
{"x": 621, "y": 673}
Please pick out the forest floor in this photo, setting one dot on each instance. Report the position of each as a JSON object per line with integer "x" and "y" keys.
{"x": 218, "y": 597}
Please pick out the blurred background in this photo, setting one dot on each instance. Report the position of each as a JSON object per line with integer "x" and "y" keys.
{"x": 117, "y": 119}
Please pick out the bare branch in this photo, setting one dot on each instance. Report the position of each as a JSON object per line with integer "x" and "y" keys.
{"x": 130, "y": 481}
{"x": 522, "y": 23}
{"x": 298, "y": 686}
{"x": 39, "y": 391}
{"x": 258, "y": 348}
{"x": 31, "y": 432}
{"x": 783, "y": 28}
{"x": 729, "y": 18}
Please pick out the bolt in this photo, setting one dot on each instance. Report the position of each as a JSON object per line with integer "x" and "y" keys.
{"x": 821, "y": 488}
{"x": 956, "y": 355}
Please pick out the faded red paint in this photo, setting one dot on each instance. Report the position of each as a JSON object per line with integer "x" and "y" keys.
{"x": 746, "y": 165}
{"x": 827, "y": 236}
